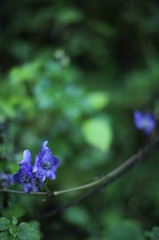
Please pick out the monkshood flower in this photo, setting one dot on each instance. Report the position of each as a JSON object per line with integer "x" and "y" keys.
{"x": 25, "y": 174}
{"x": 33, "y": 178}
{"x": 145, "y": 121}
{"x": 46, "y": 163}
{"x": 6, "y": 179}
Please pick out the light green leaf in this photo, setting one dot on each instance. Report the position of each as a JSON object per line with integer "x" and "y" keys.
{"x": 27, "y": 72}
{"x": 4, "y": 223}
{"x": 98, "y": 100}
{"x": 25, "y": 232}
{"x": 98, "y": 133}
{"x": 6, "y": 109}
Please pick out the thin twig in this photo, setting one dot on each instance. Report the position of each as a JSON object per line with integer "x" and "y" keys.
{"x": 103, "y": 181}
{"x": 21, "y": 192}
{"x": 109, "y": 178}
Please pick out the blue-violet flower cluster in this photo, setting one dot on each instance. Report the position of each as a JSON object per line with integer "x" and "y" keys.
{"x": 145, "y": 121}
{"x": 6, "y": 179}
{"x": 33, "y": 178}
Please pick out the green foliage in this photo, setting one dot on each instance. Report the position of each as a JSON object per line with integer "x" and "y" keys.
{"x": 36, "y": 225}
{"x": 73, "y": 73}
{"x": 24, "y": 231}
{"x": 97, "y": 100}
{"x": 14, "y": 220}
{"x": 124, "y": 230}
{"x": 102, "y": 28}
{"x": 4, "y": 223}
{"x": 77, "y": 216}
{"x": 6, "y": 236}
{"x": 153, "y": 234}
{"x": 98, "y": 133}
{"x": 13, "y": 211}
{"x": 69, "y": 16}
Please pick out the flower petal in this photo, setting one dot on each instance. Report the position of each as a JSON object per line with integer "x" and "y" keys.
{"x": 27, "y": 187}
{"x": 50, "y": 174}
{"x": 145, "y": 121}
{"x": 56, "y": 161}
{"x": 6, "y": 179}
{"x": 34, "y": 188}
{"x": 35, "y": 166}
{"x": 18, "y": 177}
{"x": 138, "y": 118}
{"x": 43, "y": 178}
{"x": 44, "y": 145}
{"x": 26, "y": 158}
{"x": 27, "y": 170}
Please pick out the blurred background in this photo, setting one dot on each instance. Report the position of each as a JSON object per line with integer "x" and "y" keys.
{"x": 73, "y": 73}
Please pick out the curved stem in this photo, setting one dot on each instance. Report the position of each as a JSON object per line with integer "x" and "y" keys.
{"x": 112, "y": 176}
{"x": 21, "y": 192}
{"x": 123, "y": 167}
{"x": 92, "y": 184}
{"x": 115, "y": 173}
{"x": 105, "y": 177}
{"x": 81, "y": 187}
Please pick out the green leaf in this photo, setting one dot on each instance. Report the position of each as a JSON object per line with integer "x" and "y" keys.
{"x": 25, "y": 232}
{"x": 6, "y": 110}
{"x": 5, "y": 236}
{"x": 27, "y": 72}
{"x": 4, "y": 223}
{"x": 69, "y": 16}
{"x": 36, "y": 225}
{"x": 98, "y": 133}
{"x": 13, "y": 230}
{"x": 15, "y": 211}
{"x": 14, "y": 220}
{"x": 97, "y": 100}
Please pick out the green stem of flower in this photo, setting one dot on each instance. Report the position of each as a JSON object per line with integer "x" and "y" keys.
{"x": 21, "y": 192}
{"x": 115, "y": 173}
{"x": 111, "y": 174}
{"x": 100, "y": 180}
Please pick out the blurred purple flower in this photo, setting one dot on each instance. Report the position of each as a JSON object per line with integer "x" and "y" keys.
{"x": 145, "y": 121}
{"x": 6, "y": 179}
{"x": 25, "y": 175}
{"x": 46, "y": 163}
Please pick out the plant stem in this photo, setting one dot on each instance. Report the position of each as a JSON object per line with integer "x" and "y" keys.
{"x": 114, "y": 174}
{"x": 21, "y": 192}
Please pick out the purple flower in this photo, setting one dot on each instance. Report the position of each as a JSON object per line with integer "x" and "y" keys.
{"x": 144, "y": 121}
{"x": 33, "y": 178}
{"x": 6, "y": 179}
{"x": 46, "y": 163}
{"x": 25, "y": 175}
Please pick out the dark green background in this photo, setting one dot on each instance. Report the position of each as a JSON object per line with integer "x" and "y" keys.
{"x": 56, "y": 56}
